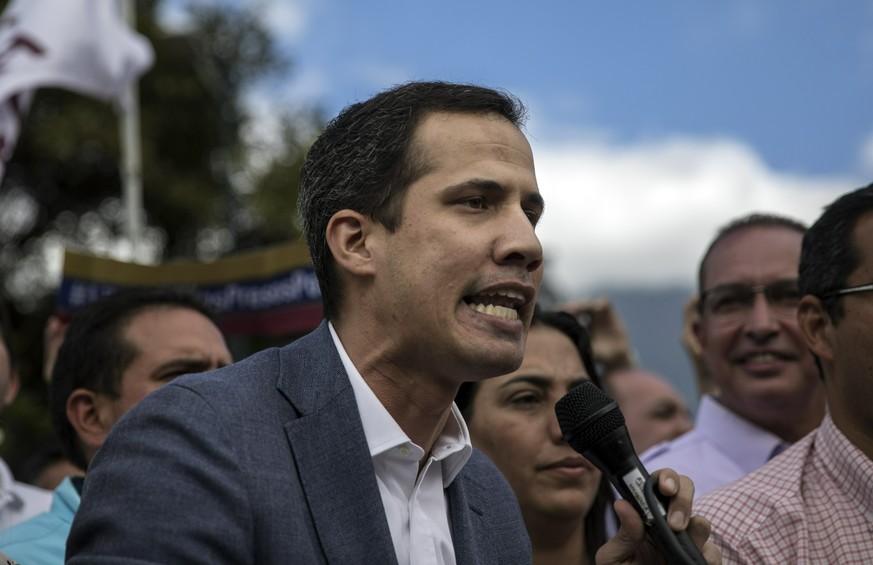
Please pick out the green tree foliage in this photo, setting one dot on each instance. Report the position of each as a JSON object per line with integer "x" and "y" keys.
{"x": 210, "y": 186}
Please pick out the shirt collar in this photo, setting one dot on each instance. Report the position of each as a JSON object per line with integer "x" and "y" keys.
{"x": 745, "y": 443}
{"x": 846, "y": 463}
{"x": 453, "y": 447}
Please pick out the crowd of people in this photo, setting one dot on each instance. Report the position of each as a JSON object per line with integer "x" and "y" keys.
{"x": 417, "y": 423}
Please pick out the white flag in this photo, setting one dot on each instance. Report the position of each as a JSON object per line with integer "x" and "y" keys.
{"x": 80, "y": 45}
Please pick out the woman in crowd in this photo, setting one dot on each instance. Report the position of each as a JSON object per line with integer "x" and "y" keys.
{"x": 563, "y": 498}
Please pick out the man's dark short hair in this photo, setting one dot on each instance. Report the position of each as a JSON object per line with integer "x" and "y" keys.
{"x": 365, "y": 160}
{"x": 740, "y": 224}
{"x": 830, "y": 254}
{"x": 94, "y": 353}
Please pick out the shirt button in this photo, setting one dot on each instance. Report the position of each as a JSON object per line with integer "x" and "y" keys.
{"x": 404, "y": 451}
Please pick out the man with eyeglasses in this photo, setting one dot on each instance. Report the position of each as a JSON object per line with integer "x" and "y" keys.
{"x": 768, "y": 392}
{"x": 814, "y": 503}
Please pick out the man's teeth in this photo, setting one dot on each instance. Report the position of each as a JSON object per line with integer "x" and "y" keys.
{"x": 509, "y": 294}
{"x": 499, "y": 311}
{"x": 501, "y": 303}
{"x": 761, "y": 358}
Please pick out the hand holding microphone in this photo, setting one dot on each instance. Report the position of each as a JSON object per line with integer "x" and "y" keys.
{"x": 593, "y": 425}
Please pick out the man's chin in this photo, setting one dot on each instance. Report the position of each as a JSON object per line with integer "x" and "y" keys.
{"x": 496, "y": 361}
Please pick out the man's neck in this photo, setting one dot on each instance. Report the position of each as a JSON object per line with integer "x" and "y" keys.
{"x": 788, "y": 421}
{"x": 414, "y": 404}
{"x": 857, "y": 432}
{"x": 419, "y": 402}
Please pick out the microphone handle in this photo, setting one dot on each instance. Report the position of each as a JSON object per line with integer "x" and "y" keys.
{"x": 637, "y": 487}
{"x": 677, "y": 546}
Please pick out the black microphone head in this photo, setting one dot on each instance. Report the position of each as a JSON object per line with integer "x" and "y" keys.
{"x": 586, "y": 414}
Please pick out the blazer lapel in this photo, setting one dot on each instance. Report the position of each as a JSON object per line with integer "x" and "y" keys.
{"x": 468, "y": 528}
{"x": 330, "y": 452}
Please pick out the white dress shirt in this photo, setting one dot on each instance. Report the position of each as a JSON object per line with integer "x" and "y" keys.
{"x": 415, "y": 503}
{"x": 721, "y": 448}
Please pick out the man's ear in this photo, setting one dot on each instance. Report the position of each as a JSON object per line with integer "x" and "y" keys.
{"x": 816, "y": 327}
{"x": 350, "y": 236}
{"x": 697, "y": 330}
{"x": 87, "y": 412}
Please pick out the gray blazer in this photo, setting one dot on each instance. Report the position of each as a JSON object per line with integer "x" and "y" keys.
{"x": 265, "y": 461}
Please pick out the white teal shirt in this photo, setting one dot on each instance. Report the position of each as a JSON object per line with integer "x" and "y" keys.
{"x": 43, "y": 539}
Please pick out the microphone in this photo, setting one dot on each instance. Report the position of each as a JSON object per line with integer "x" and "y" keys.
{"x": 594, "y": 426}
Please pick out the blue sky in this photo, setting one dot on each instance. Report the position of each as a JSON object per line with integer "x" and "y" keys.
{"x": 792, "y": 79}
{"x": 652, "y": 123}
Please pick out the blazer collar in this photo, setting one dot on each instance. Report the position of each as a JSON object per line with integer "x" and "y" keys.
{"x": 330, "y": 452}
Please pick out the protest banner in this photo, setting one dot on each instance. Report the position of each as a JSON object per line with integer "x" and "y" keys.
{"x": 268, "y": 292}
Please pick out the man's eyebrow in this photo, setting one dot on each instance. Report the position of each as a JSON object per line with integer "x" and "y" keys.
{"x": 482, "y": 184}
{"x": 535, "y": 199}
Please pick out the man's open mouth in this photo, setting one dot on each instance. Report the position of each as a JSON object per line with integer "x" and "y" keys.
{"x": 500, "y": 303}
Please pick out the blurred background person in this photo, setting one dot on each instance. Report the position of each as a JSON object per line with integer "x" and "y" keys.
{"x": 563, "y": 498}
{"x": 768, "y": 393}
{"x": 18, "y": 501}
{"x": 117, "y": 350}
{"x": 52, "y": 338}
{"x": 653, "y": 409}
{"x": 813, "y": 504}
{"x": 610, "y": 342}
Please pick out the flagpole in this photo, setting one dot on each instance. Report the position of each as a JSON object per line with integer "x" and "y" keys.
{"x": 131, "y": 150}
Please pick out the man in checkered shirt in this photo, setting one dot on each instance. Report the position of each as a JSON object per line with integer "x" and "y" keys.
{"x": 814, "y": 503}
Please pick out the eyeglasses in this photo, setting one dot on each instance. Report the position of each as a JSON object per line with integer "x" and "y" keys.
{"x": 849, "y": 290}
{"x": 732, "y": 302}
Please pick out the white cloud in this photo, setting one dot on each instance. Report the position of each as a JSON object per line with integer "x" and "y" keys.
{"x": 641, "y": 215}
{"x": 866, "y": 157}
{"x": 287, "y": 19}
{"x": 309, "y": 86}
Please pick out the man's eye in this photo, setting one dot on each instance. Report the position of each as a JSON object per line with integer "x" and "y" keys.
{"x": 524, "y": 399}
{"x": 533, "y": 216}
{"x": 665, "y": 412}
{"x": 729, "y": 301}
{"x": 167, "y": 377}
{"x": 477, "y": 202}
{"x": 786, "y": 297}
